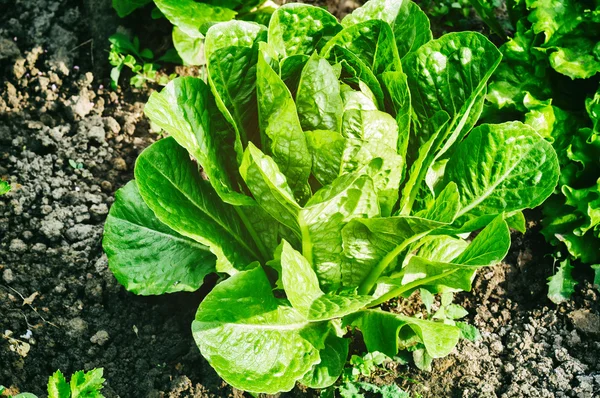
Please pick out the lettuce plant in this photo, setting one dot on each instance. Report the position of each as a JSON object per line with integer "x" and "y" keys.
{"x": 325, "y": 169}
{"x": 549, "y": 79}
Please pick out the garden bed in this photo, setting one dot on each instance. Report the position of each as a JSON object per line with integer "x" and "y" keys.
{"x": 69, "y": 142}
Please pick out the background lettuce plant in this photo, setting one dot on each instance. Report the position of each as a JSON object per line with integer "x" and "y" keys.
{"x": 549, "y": 79}
{"x": 325, "y": 168}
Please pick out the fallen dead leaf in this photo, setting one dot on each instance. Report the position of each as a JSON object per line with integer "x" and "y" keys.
{"x": 29, "y": 300}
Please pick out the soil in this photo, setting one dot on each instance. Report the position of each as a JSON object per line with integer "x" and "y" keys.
{"x": 68, "y": 142}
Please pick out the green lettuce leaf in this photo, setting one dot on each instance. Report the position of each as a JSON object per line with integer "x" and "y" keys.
{"x": 313, "y": 27}
{"x": 372, "y": 42}
{"x": 191, "y": 17}
{"x": 173, "y": 188}
{"x": 270, "y": 188}
{"x": 333, "y": 360}
{"x": 409, "y": 23}
{"x": 517, "y": 169}
{"x": 318, "y": 99}
{"x": 552, "y": 17}
{"x": 374, "y": 245}
{"x": 190, "y": 49}
{"x": 487, "y": 249}
{"x": 333, "y": 156}
{"x": 186, "y": 109}
{"x": 384, "y": 332}
{"x": 464, "y": 62}
{"x": 325, "y": 215}
{"x": 232, "y": 54}
{"x": 301, "y": 285}
{"x": 281, "y": 132}
{"x": 574, "y": 57}
{"x": 240, "y": 322}
{"x": 145, "y": 255}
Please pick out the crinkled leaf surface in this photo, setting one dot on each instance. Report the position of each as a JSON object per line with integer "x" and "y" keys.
{"x": 254, "y": 341}
{"x": 575, "y": 58}
{"x": 355, "y": 71}
{"x": 333, "y": 155}
{"x": 502, "y": 168}
{"x": 372, "y": 41}
{"x": 312, "y": 28}
{"x": 318, "y": 99}
{"x": 349, "y": 197}
{"x": 232, "y": 55}
{"x": 450, "y": 74}
{"x": 552, "y": 17}
{"x": 145, "y": 255}
{"x": 409, "y": 23}
{"x": 522, "y": 70}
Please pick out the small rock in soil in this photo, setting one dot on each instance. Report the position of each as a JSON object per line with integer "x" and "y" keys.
{"x": 7, "y": 275}
{"x": 100, "y": 338}
{"x": 586, "y": 321}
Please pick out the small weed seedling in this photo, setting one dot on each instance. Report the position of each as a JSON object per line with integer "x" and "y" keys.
{"x": 82, "y": 385}
{"x": 127, "y": 53}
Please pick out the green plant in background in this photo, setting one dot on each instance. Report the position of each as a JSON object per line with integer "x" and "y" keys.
{"x": 449, "y": 313}
{"x": 549, "y": 79}
{"x": 191, "y": 19}
{"x": 363, "y": 367}
{"x": 334, "y": 167}
{"x": 448, "y": 14}
{"x": 82, "y": 385}
{"x": 127, "y": 53}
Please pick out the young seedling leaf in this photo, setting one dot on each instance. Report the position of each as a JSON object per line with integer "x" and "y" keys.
{"x": 87, "y": 384}
{"x": 562, "y": 285}
{"x": 58, "y": 386}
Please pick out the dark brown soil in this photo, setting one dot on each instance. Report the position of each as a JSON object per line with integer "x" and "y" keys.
{"x": 67, "y": 143}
